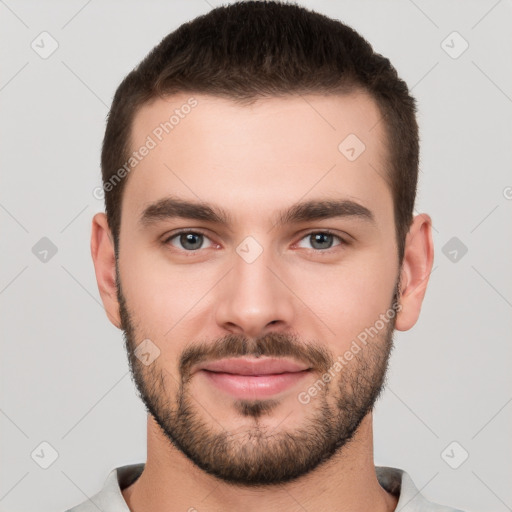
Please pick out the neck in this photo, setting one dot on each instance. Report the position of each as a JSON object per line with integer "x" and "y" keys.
{"x": 347, "y": 482}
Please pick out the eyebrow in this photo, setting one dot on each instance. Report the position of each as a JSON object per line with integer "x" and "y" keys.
{"x": 171, "y": 207}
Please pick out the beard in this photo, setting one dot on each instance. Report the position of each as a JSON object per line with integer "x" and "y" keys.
{"x": 258, "y": 455}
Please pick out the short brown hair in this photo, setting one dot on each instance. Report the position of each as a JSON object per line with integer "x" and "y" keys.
{"x": 251, "y": 50}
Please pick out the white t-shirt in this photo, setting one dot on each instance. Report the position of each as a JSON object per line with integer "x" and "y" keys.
{"x": 395, "y": 481}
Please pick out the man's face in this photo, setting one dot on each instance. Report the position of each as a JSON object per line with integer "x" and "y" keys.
{"x": 248, "y": 316}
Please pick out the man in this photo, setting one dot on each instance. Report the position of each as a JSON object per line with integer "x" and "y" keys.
{"x": 258, "y": 251}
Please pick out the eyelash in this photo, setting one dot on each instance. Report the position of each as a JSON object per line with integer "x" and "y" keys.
{"x": 199, "y": 232}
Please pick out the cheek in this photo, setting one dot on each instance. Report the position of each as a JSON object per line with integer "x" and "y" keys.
{"x": 146, "y": 276}
{"x": 351, "y": 298}
{"x": 175, "y": 303}
{"x": 165, "y": 299}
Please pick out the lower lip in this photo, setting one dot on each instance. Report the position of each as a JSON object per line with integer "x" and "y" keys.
{"x": 254, "y": 386}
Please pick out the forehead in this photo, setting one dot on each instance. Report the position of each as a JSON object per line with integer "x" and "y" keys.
{"x": 259, "y": 157}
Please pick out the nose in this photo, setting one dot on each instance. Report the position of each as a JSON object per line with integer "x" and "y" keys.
{"x": 253, "y": 298}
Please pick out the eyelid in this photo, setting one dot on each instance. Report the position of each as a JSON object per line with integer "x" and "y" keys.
{"x": 181, "y": 231}
{"x": 344, "y": 240}
{"x": 197, "y": 231}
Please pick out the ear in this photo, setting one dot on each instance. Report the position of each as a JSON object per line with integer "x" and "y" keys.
{"x": 103, "y": 255}
{"x": 415, "y": 271}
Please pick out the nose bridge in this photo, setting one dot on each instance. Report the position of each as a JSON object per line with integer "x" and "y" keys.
{"x": 252, "y": 296}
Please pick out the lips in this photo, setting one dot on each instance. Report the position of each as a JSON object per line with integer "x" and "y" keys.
{"x": 253, "y": 378}
{"x": 243, "y": 366}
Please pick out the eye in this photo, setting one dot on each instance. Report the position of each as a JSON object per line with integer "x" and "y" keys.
{"x": 187, "y": 240}
{"x": 322, "y": 240}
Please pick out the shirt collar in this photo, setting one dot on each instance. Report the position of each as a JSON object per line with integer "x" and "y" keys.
{"x": 394, "y": 480}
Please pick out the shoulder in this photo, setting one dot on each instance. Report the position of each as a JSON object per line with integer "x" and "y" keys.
{"x": 398, "y": 482}
{"x": 110, "y": 497}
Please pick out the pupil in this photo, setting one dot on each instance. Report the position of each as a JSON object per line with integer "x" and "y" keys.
{"x": 322, "y": 238}
{"x": 191, "y": 239}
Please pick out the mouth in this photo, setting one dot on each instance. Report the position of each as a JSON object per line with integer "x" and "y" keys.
{"x": 246, "y": 378}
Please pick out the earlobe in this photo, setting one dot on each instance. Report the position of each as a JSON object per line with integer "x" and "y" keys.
{"x": 103, "y": 255}
{"x": 415, "y": 271}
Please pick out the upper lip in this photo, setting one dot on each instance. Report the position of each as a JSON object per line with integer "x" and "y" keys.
{"x": 260, "y": 366}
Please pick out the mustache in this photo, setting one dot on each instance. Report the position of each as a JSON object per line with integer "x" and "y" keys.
{"x": 272, "y": 345}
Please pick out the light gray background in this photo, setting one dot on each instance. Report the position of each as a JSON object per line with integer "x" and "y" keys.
{"x": 64, "y": 372}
